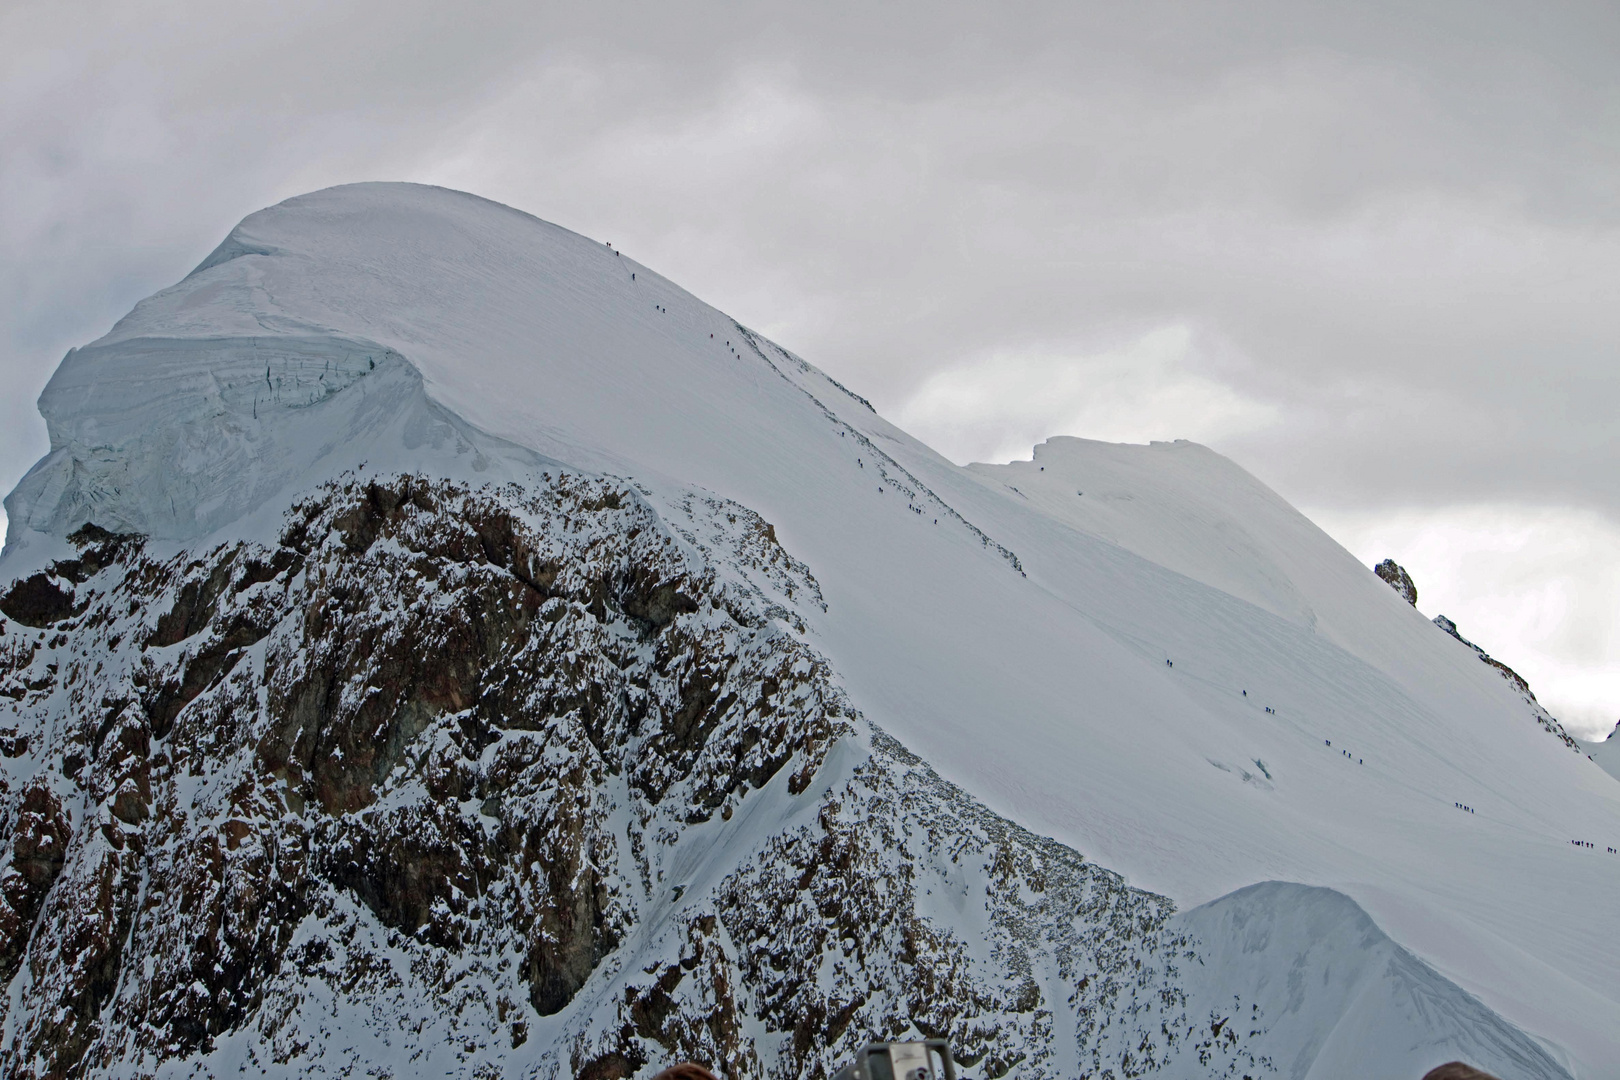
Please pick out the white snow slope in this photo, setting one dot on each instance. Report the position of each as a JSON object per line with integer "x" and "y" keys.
{"x": 1008, "y": 628}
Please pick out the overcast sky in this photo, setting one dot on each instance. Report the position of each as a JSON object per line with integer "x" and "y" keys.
{"x": 1369, "y": 250}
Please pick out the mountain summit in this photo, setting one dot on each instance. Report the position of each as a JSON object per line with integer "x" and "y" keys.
{"x": 436, "y": 644}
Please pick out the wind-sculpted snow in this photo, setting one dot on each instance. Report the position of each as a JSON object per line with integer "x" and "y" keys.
{"x": 200, "y": 413}
{"x": 419, "y": 786}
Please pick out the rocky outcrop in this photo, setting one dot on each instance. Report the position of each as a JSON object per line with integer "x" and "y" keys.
{"x": 1396, "y": 577}
{"x": 1547, "y": 721}
{"x": 454, "y": 781}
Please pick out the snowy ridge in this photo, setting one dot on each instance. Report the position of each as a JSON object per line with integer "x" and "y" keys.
{"x": 1185, "y": 679}
{"x": 919, "y": 499}
{"x": 1548, "y": 722}
{"x": 1352, "y": 1001}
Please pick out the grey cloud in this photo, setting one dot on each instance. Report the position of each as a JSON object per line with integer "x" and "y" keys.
{"x": 1394, "y": 225}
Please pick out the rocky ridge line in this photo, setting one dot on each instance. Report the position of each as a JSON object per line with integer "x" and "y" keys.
{"x": 1392, "y": 574}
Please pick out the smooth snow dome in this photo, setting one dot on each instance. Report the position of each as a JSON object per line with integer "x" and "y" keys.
{"x": 1139, "y": 650}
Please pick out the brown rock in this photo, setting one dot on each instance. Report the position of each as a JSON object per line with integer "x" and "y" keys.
{"x": 1456, "y": 1070}
{"x": 1398, "y": 579}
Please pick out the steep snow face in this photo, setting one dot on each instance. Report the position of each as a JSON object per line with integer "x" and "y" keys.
{"x": 1173, "y": 672}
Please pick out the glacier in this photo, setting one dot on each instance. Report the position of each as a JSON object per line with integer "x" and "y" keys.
{"x": 1140, "y": 652}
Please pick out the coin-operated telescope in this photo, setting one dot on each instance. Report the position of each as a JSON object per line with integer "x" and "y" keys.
{"x": 924, "y": 1059}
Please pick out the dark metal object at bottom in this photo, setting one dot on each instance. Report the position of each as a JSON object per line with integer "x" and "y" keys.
{"x": 922, "y": 1059}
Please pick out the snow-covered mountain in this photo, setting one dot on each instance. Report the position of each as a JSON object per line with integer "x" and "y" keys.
{"x": 437, "y": 644}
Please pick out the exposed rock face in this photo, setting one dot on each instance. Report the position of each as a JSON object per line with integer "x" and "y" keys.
{"x": 872, "y": 921}
{"x": 528, "y": 782}
{"x": 1396, "y": 577}
{"x": 1547, "y": 721}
